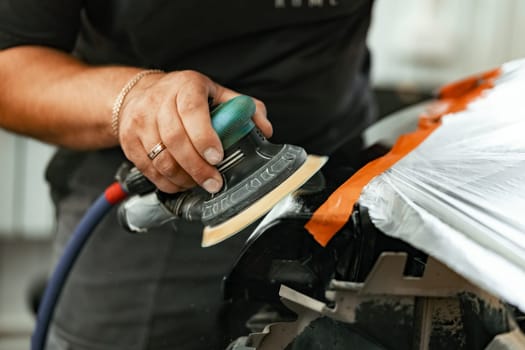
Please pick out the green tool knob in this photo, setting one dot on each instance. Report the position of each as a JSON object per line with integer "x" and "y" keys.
{"x": 232, "y": 120}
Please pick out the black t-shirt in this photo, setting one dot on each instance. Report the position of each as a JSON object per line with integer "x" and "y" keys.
{"x": 306, "y": 59}
{"x": 307, "y": 62}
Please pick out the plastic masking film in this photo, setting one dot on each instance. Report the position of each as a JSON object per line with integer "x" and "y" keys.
{"x": 460, "y": 195}
{"x": 334, "y": 213}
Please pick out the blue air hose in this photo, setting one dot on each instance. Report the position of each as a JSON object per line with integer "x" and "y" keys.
{"x": 231, "y": 120}
{"x": 113, "y": 195}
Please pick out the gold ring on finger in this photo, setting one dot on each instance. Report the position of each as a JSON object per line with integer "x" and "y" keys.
{"x": 156, "y": 150}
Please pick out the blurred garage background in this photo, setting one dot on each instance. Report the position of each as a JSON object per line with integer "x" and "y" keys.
{"x": 417, "y": 45}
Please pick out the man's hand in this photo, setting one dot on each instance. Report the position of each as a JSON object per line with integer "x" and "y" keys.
{"x": 173, "y": 109}
{"x": 56, "y": 98}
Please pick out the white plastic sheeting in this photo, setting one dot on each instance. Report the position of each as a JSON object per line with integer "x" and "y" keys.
{"x": 460, "y": 195}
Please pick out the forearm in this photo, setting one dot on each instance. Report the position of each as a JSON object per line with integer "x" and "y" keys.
{"x": 56, "y": 98}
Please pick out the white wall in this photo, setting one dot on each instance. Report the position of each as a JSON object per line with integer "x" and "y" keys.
{"x": 425, "y": 43}
{"x": 25, "y": 206}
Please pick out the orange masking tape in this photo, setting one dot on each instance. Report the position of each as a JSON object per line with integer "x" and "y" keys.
{"x": 464, "y": 86}
{"x": 333, "y": 214}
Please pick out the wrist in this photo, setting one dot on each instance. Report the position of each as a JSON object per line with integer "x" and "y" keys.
{"x": 145, "y": 78}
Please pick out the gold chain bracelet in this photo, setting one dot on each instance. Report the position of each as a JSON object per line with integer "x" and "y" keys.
{"x": 117, "y": 105}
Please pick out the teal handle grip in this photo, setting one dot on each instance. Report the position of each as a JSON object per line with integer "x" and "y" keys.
{"x": 232, "y": 120}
